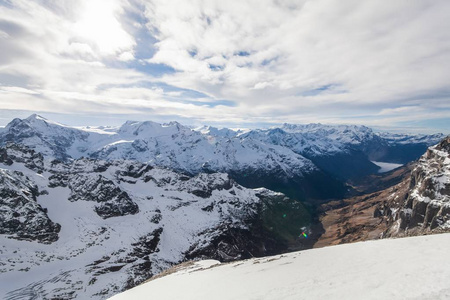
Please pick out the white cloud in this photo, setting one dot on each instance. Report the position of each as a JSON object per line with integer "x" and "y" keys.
{"x": 126, "y": 56}
{"x": 16, "y": 89}
{"x": 3, "y": 35}
{"x": 284, "y": 60}
{"x": 98, "y": 25}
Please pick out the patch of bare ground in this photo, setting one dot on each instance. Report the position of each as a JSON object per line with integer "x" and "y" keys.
{"x": 183, "y": 266}
{"x": 359, "y": 218}
{"x": 187, "y": 265}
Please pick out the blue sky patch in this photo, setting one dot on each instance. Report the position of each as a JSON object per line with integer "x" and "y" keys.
{"x": 321, "y": 89}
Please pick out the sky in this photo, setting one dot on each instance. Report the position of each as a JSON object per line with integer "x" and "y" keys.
{"x": 245, "y": 63}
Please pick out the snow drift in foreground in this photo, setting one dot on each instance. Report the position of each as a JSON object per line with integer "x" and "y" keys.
{"x": 409, "y": 268}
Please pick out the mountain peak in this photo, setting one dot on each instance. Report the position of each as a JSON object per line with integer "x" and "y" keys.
{"x": 135, "y": 127}
{"x": 38, "y": 120}
{"x": 444, "y": 145}
{"x": 36, "y": 117}
{"x": 218, "y": 132}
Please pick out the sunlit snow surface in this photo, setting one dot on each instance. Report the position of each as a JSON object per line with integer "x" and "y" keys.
{"x": 88, "y": 245}
{"x": 385, "y": 166}
{"x": 408, "y": 268}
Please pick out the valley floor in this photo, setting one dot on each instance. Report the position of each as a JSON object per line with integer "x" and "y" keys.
{"x": 407, "y": 268}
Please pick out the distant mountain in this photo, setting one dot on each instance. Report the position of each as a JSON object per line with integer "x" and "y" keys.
{"x": 338, "y": 150}
{"x": 305, "y": 161}
{"x": 89, "y": 212}
{"x": 345, "y": 151}
{"x": 88, "y": 229}
{"x": 403, "y": 148}
{"x": 398, "y": 138}
{"x": 46, "y": 137}
{"x": 249, "y": 161}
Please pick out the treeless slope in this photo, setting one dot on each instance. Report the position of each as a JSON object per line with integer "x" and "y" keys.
{"x": 408, "y": 268}
{"x": 358, "y": 218}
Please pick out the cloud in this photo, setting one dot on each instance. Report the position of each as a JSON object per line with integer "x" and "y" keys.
{"x": 237, "y": 61}
{"x": 400, "y": 110}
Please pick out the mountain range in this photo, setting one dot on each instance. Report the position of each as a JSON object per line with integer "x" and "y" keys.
{"x": 293, "y": 159}
{"x": 67, "y": 230}
{"x": 89, "y": 212}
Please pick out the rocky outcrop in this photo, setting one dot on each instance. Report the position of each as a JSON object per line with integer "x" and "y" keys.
{"x": 427, "y": 204}
{"x": 11, "y": 153}
{"x": 122, "y": 222}
{"x": 112, "y": 201}
{"x": 21, "y": 217}
{"x": 418, "y": 204}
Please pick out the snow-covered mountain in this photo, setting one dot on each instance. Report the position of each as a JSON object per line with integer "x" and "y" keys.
{"x": 46, "y": 137}
{"x": 410, "y": 268}
{"x": 249, "y": 161}
{"x": 88, "y": 229}
{"x": 89, "y": 212}
{"x": 399, "y": 138}
{"x": 403, "y": 148}
{"x": 223, "y": 132}
{"x": 302, "y": 160}
{"x": 338, "y": 150}
{"x": 322, "y": 139}
{"x": 346, "y": 151}
{"x": 168, "y": 145}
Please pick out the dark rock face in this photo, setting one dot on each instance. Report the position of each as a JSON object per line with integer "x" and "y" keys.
{"x": 427, "y": 205}
{"x": 274, "y": 227}
{"x": 203, "y": 185}
{"x": 21, "y": 216}
{"x": 179, "y": 217}
{"x": 136, "y": 170}
{"x": 234, "y": 244}
{"x": 444, "y": 145}
{"x": 16, "y": 153}
{"x": 112, "y": 201}
{"x": 4, "y": 157}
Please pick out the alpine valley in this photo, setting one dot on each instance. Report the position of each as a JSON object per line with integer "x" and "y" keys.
{"x": 86, "y": 213}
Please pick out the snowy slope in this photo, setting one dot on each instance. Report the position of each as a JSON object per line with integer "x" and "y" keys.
{"x": 311, "y": 139}
{"x": 89, "y": 229}
{"x": 251, "y": 162}
{"x": 289, "y": 153}
{"x": 398, "y": 138}
{"x": 409, "y": 268}
{"x": 345, "y": 151}
{"x": 178, "y": 147}
{"x": 169, "y": 145}
{"x": 338, "y": 150}
{"x": 223, "y": 132}
{"x": 321, "y": 139}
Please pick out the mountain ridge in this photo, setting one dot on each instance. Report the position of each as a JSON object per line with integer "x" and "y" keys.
{"x": 69, "y": 229}
{"x": 288, "y": 155}
{"x": 75, "y": 215}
